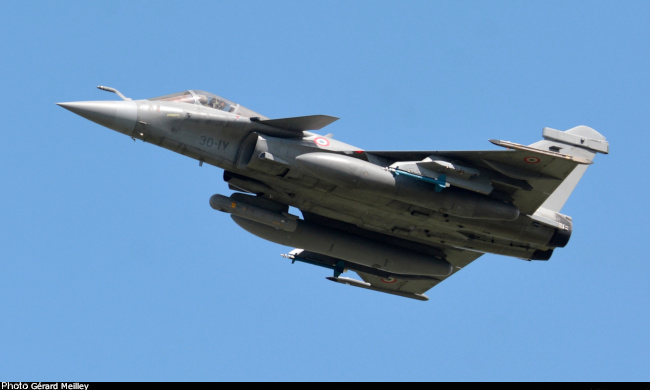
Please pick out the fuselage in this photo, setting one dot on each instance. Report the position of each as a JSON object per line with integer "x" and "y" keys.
{"x": 262, "y": 159}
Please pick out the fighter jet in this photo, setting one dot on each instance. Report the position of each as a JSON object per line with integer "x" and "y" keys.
{"x": 404, "y": 221}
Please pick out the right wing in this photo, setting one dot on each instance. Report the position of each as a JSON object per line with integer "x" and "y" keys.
{"x": 527, "y": 175}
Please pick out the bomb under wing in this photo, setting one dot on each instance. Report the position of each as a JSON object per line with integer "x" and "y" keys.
{"x": 402, "y": 220}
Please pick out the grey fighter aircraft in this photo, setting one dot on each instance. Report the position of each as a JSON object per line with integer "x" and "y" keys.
{"x": 402, "y": 220}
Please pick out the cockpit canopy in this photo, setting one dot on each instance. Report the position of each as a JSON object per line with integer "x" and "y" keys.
{"x": 207, "y": 99}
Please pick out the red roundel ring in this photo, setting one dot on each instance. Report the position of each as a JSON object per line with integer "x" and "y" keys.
{"x": 389, "y": 280}
{"x": 532, "y": 160}
{"x": 322, "y": 141}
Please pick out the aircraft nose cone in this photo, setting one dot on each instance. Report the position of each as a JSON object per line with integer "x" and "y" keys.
{"x": 117, "y": 115}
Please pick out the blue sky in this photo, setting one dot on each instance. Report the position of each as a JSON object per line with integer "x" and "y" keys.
{"x": 115, "y": 268}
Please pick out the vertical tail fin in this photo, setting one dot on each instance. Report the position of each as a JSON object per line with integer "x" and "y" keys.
{"x": 580, "y": 141}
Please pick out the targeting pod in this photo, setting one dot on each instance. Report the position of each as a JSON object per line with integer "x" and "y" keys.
{"x": 276, "y": 219}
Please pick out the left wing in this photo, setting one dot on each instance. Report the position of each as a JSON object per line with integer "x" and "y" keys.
{"x": 411, "y": 286}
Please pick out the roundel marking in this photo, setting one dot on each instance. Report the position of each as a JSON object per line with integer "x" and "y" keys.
{"x": 532, "y": 160}
{"x": 389, "y": 280}
{"x": 322, "y": 141}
